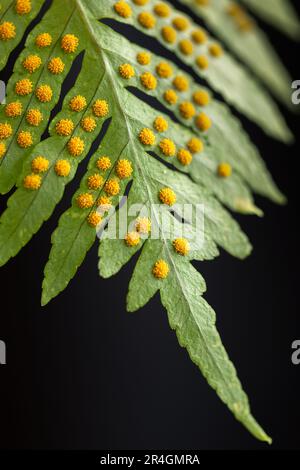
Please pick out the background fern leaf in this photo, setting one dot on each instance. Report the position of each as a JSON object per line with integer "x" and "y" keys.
{"x": 241, "y": 34}
{"x": 279, "y": 13}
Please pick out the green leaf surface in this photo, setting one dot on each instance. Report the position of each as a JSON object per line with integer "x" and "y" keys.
{"x": 279, "y": 13}
{"x": 225, "y": 140}
{"x": 251, "y": 46}
{"x": 194, "y": 322}
{"x": 224, "y": 74}
{"x": 8, "y": 14}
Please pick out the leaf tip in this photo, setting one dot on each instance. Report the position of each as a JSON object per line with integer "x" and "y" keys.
{"x": 256, "y": 430}
{"x": 245, "y": 206}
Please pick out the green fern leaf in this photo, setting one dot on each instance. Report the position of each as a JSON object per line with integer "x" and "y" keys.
{"x": 240, "y": 33}
{"x": 224, "y": 73}
{"x": 19, "y": 22}
{"x": 195, "y": 153}
{"x": 279, "y": 13}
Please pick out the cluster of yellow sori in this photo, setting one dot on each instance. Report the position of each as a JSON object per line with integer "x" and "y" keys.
{"x": 99, "y": 182}
{"x": 142, "y": 228}
{"x": 180, "y": 83}
{"x": 7, "y": 28}
{"x": 161, "y": 268}
{"x": 243, "y": 22}
{"x": 166, "y": 145}
{"x": 65, "y": 127}
{"x": 172, "y": 29}
{"x": 43, "y": 91}
{"x": 39, "y": 166}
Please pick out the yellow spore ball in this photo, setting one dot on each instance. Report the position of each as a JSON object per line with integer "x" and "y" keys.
{"x": 2, "y": 149}
{"x": 147, "y": 137}
{"x": 43, "y": 40}
{"x": 147, "y": 20}
{"x": 123, "y": 9}
{"x": 201, "y": 97}
{"x": 85, "y": 201}
{"x": 202, "y": 62}
{"x": 62, "y": 168}
{"x": 44, "y": 93}
{"x": 5, "y": 130}
{"x": 140, "y": 3}
{"x": 162, "y": 9}
{"x": 95, "y": 181}
{"x": 160, "y": 124}
{"x": 234, "y": 9}
{"x": 64, "y": 127}
{"x": 76, "y": 146}
{"x": 161, "y": 269}
{"x": 195, "y": 145}
{"x": 32, "y": 63}
{"x": 7, "y": 31}
{"x": 169, "y": 34}
{"x": 199, "y": 36}
{"x": 170, "y": 96}
{"x": 23, "y": 7}
{"x": 56, "y": 66}
{"x": 94, "y": 219}
{"x": 69, "y": 43}
{"x": 124, "y": 169}
{"x": 181, "y": 23}
{"x": 148, "y": 81}
{"x": 167, "y": 147}
{"x": 203, "y": 122}
{"x": 167, "y": 196}
{"x": 184, "y": 157}
{"x": 77, "y": 103}
{"x": 104, "y": 202}
{"x": 24, "y": 139}
{"x": 216, "y": 50}
{"x": 126, "y": 71}
{"x": 187, "y": 110}
{"x": 181, "y": 83}
{"x": 34, "y": 117}
{"x": 32, "y": 182}
{"x": 14, "y": 109}
{"x": 100, "y": 108}
{"x": 143, "y": 225}
{"x": 181, "y": 246}
{"x": 104, "y": 163}
{"x": 224, "y": 170}
{"x": 186, "y": 47}
{"x": 132, "y": 239}
{"x": 88, "y": 124}
{"x": 143, "y": 58}
{"x": 112, "y": 187}
{"x": 39, "y": 164}
{"x": 164, "y": 70}
{"x": 24, "y": 87}
{"x": 244, "y": 23}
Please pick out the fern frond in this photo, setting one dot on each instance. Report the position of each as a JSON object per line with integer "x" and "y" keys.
{"x": 219, "y": 68}
{"x": 279, "y": 13}
{"x": 240, "y": 33}
{"x": 19, "y": 22}
{"x": 196, "y": 153}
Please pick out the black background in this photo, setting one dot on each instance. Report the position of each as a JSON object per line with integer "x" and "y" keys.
{"x": 82, "y": 373}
